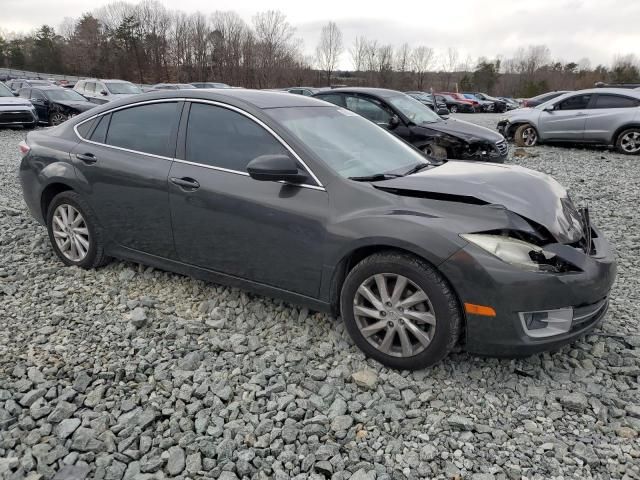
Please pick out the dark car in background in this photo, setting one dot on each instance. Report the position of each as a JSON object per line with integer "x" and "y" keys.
{"x": 499, "y": 105}
{"x": 210, "y": 85}
{"x": 18, "y": 83}
{"x": 455, "y": 105}
{"x": 427, "y": 99}
{"x": 481, "y": 105}
{"x": 542, "y": 98}
{"x": 510, "y": 103}
{"x": 296, "y": 198}
{"x": 16, "y": 111}
{"x": 55, "y": 105}
{"x": 419, "y": 125}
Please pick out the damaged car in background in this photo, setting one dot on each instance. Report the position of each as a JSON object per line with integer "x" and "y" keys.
{"x": 417, "y": 124}
{"x": 55, "y": 105}
{"x": 416, "y": 256}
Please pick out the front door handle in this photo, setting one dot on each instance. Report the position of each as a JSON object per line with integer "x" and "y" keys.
{"x": 87, "y": 157}
{"x": 185, "y": 182}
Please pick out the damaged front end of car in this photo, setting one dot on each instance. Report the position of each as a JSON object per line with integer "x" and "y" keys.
{"x": 474, "y": 148}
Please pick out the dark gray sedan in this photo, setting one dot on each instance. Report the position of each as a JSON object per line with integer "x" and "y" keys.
{"x": 296, "y": 198}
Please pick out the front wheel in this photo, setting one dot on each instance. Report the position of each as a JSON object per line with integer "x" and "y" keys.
{"x": 526, "y": 136}
{"x": 453, "y": 109}
{"x": 400, "y": 311}
{"x": 628, "y": 142}
{"x": 57, "y": 118}
{"x": 74, "y": 233}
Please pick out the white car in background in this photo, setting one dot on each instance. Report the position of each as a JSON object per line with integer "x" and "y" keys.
{"x": 16, "y": 111}
{"x": 103, "y": 91}
{"x": 602, "y": 116}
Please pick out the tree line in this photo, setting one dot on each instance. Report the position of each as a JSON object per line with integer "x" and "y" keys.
{"x": 147, "y": 43}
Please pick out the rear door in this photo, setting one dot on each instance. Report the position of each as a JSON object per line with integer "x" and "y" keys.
{"x": 607, "y": 113}
{"x": 567, "y": 120}
{"x": 125, "y": 161}
{"x": 223, "y": 220}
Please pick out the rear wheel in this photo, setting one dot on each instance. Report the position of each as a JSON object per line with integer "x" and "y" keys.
{"x": 526, "y": 136}
{"x": 400, "y": 311}
{"x": 628, "y": 142}
{"x": 73, "y": 232}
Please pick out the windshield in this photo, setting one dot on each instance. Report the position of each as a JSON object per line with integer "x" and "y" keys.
{"x": 65, "y": 96}
{"x": 122, "y": 88}
{"x": 414, "y": 110}
{"x": 4, "y": 91}
{"x": 184, "y": 85}
{"x": 349, "y": 144}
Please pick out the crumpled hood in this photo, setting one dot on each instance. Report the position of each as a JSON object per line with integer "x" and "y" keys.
{"x": 466, "y": 131}
{"x": 80, "y": 106}
{"x": 532, "y": 195}
{"x": 14, "y": 102}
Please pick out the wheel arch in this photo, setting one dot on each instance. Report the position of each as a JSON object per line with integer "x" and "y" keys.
{"x": 356, "y": 255}
{"x": 619, "y": 130}
{"x": 49, "y": 193}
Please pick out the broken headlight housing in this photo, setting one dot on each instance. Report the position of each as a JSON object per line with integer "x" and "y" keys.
{"x": 517, "y": 252}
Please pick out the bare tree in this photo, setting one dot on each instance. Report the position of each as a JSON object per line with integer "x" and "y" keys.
{"x": 403, "y": 58}
{"x": 273, "y": 44}
{"x": 385, "y": 65}
{"x": 329, "y": 49}
{"x": 358, "y": 53}
{"x": 450, "y": 63}
{"x": 421, "y": 61}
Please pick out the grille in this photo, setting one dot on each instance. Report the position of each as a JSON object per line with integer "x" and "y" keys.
{"x": 582, "y": 316}
{"x": 20, "y": 116}
{"x": 501, "y": 146}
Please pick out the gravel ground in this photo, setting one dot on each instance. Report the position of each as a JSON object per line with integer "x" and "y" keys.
{"x": 131, "y": 372}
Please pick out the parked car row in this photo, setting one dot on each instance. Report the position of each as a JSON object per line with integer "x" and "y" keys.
{"x": 416, "y": 256}
{"x": 601, "y": 116}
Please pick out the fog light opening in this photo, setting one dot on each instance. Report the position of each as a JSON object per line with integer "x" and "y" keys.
{"x": 547, "y": 323}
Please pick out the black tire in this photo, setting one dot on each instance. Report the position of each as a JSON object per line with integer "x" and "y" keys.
{"x": 520, "y": 139}
{"x": 453, "y": 109}
{"x": 53, "y": 118}
{"x": 446, "y": 309}
{"x": 95, "y": 256}
{"x": 628, "y": 149}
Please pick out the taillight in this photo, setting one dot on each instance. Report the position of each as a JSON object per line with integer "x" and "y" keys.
{"x": 24, "y": 148}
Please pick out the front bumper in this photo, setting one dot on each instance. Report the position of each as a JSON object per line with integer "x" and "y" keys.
{"x": 13, "y": 116}
{"x": 503, "y": 127}
{"x": 480, "y": 278}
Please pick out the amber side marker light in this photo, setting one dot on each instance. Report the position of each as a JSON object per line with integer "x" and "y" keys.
{"x": 479, "y": 310}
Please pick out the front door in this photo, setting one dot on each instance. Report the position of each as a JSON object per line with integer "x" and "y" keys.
{"x": 223, "y": 220}
{"x": 567, "y": 119}
{"x": 125, "y": 162}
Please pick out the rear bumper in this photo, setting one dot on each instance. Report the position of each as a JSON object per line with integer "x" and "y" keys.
{"x": 480, "y": 278}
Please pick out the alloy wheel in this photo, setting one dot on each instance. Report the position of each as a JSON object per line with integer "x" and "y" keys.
{"x": 71, "y": 233}
{"x": 453, "y": 109}
{"x": 58, "y": 118}
{"x": 394, "y": 315}
{"x": 529, "y": 136}
{"x": 630, "y": 142}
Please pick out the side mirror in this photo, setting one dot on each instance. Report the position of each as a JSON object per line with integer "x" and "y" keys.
{"x": 443, "y": 112}
{"x": 104, "y": 93}
{"x": 394, "y": 122}
{"x": 549, "y": 108}
{"x": 275, "y": 168}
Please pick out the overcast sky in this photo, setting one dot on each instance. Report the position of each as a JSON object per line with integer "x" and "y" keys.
{"x": 572, "y": 29}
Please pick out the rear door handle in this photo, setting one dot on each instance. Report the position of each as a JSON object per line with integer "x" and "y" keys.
{"x": 185, "y": 182}
{"x": 87, "y": 157}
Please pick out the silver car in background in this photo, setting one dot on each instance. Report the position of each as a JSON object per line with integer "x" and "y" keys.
{"x": 603, "y": 116}
{"x": 15, "y": 112}
{"x": 103, "y": 91}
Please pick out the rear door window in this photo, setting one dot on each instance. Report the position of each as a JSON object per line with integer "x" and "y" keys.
{"x": 334, "y": 98}
{"x": 615, "y": 101}
{"x": 89, "y": 87}
{"x": 369, "y": 109}
{"x": 100, "y": 132}
{"x": 25, "y": 93}
{"x": 143, "y": 128}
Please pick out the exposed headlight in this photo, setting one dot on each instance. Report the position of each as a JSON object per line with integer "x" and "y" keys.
{"x": 513, "y": 251}
{"x": 503, "y": 119}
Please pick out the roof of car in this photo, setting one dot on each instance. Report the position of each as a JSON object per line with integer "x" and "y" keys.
{"x": 261, "y": 99}
{"x": 380, "y": 92}
{"x": 621, "y": 91}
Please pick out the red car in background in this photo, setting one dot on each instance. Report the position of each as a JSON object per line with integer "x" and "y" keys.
{"x": 463, "y": 99}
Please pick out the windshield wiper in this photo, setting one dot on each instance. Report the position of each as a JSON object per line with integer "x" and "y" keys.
{"x": 376, "y": 177}
{"x": 417, "y": 168}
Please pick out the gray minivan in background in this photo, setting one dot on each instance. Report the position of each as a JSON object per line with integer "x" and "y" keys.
{"x": 601, "y": 116}
{"x": 103, "y": 91}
